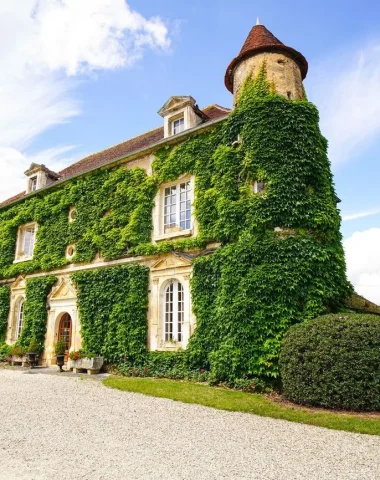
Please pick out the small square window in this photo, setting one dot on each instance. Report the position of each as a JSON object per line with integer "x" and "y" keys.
{"x": 178, "y": 125}
{"x": 258, "y": 186}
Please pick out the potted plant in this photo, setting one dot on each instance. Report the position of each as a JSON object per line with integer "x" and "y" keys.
{"x": 60, "y": 349}
{"x": 17, "y": 354}
{"x": 32, "y": 352}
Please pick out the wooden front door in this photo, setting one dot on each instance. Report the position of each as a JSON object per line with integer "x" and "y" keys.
{"x": 64, "y": 332}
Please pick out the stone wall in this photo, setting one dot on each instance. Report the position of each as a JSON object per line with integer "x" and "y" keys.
{"x": 281, "y": 70}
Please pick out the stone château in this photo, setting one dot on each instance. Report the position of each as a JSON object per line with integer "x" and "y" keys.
{"x": 170, "y": 317}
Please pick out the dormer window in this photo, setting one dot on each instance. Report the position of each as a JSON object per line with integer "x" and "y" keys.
{"x": 178, "y": 126}
{"x": 33, "y": 184}
{"x": 26, "y": 240}
{"x": 39, "y": 176}
{"x": 180, "y": 114}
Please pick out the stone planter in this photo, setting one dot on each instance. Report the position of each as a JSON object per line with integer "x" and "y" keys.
{"x": 23, "y": 361}
{"x": 91, "y": 365}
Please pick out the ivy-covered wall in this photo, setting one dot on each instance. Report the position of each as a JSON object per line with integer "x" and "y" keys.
{"x": 281, "y": 259}
{"x": 113, "y": 212}
{"x": 5, "y": 298}
{"x": 113, "y": 305}
{"x": 35, "y": 311}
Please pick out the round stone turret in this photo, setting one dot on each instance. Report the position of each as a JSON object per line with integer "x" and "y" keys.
{"x": 286, "y": 68}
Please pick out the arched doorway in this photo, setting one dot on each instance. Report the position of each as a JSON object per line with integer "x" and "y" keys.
{"x": 64, "y": 332}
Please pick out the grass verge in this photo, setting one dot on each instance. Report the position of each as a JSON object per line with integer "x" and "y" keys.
{"x": 235, "y": 401}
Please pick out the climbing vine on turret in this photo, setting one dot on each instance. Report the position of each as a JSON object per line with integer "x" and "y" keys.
{"x": 280, "y": 261}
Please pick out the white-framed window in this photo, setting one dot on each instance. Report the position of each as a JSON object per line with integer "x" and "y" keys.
{"x": 26, "y": 241}
{"x": 177, "y": 207}
{"x": 19, "y": 318}
{"x": 33, "y": 184}
{"x": 174, "y": 311}
{"x": 178, "y": 125}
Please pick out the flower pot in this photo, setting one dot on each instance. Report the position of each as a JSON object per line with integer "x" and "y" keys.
{"x": 60, "y": 361}
{"x": 32, "y": 359}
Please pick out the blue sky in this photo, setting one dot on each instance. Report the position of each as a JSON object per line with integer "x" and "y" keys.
{"x": 80, "y": 76}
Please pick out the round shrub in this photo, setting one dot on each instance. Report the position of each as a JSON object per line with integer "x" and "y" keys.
{"x": 333, "y": 361}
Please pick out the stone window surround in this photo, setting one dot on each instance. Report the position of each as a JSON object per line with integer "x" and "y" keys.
{"x": 19, "y": 256}
{"x": 174, "y": 303}
{"x": 161, "y": 283}
{"x": 158, "y": 212}
{"x": 72, "y": 214}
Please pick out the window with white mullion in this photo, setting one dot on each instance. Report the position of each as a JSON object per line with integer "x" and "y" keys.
{"x": 33, "y": 184}
{"x": 174, "y": 311}
{"x": 177, "y": 207}
{"x": 178, "y": 125}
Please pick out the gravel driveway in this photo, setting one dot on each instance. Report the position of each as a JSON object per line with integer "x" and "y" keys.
{"x": 57, "y": 427}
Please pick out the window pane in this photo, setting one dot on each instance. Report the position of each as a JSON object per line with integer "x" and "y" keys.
{"x": 169, "y": 313}
{"x": 178, "y": 125}
{"x": 20, "y": 318}
{"x": 170, "y": 207}
{"x": 185, "y": 205}
{"x": 28, "y": 243}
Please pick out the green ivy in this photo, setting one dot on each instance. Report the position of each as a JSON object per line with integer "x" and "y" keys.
{"x": 35, "y": 311}
{"x": 280, "y": 262}
{"x": 113, "y": 213}
{"x": 5, "y": 297}
{"x": 282, "y": 259}
{"x": 113, "y": 304}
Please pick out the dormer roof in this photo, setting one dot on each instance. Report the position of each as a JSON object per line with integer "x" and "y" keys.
{"x": 260, "y": 40}
{"x": 175, "y": 102}
{"x": 36, "y": 167}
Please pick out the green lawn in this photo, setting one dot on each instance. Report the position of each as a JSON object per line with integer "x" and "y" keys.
{"x": 235, "y": 401}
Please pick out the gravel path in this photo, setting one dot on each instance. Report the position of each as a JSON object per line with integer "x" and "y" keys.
{"x": 56, "y": 427}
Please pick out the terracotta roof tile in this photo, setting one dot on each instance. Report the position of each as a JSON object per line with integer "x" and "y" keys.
{"x": 145, "y": 140}
{"x": 259, "y": 40}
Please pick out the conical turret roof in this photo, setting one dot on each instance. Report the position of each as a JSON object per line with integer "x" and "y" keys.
{"x": 259, "y": 40}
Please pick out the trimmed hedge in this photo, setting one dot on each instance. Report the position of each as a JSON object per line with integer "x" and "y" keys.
{"x": 333, "y": 361}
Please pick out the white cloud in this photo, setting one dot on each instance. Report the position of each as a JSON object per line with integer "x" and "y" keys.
{"x": 363, "y": 214}
{"x": 363, "y": 263}
{"x": 46, "y": 47}
{"x": 346, "y": 90}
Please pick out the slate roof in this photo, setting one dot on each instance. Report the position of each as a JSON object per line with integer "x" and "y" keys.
{"x": 259, "y": 40}
{"x": 213, "y": 112}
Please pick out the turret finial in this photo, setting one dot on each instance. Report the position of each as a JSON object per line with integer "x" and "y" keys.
{"x": 258, "y": 21}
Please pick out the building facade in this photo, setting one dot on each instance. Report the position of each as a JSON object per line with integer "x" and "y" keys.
{"x": 129, "y": 224}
